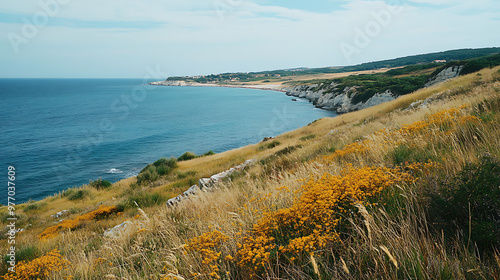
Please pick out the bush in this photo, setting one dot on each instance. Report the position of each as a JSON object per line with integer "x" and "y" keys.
{"x": 76, "y": 194}
{"x": 269, "y": 145}
{"x": 148, "y": 174}
{"x": 144, "y": 200}
{"x": 307, "y": 137}
{"x": 33, "y": 206}
{"x": 171, "y": 162}
{"x": 209, "y": 153}
{"x": 287, "y": 150}
{"x": 100, "y": 184}
{"x": 405, "y": 154}
{"x": 183, "y": 175}
{"x": 471, "y": 197}
{"x": 25, "y": 254}
{"x": 151, "y": 172}
{"x": 187, "y": 156}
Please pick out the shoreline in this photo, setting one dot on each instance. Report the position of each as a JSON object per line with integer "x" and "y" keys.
{"x": 271, "y": 87}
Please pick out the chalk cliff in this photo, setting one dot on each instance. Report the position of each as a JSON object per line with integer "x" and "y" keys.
{"x": 336, "y": 98}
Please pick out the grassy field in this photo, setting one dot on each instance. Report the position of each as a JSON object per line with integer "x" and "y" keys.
{"x": 394, "y": 191}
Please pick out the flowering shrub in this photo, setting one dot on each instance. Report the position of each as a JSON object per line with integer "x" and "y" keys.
{"x": 312, "y": 221}
{"x": 39, "y": 268}
{"x": 443, "y": 120}
{"x": 101, "y": 212}
{"x": 208, "y": 245}
{"x": 359, "y": 147}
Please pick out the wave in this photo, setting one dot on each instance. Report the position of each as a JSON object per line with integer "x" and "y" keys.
{"x": 114, "y": 171}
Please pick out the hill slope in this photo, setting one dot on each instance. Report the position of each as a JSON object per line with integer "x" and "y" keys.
{"x": 342, "y": 198}
{"x": 276, "y": 76}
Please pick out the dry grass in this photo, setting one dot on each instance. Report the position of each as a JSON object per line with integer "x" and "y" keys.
{"x": 381, "y": 242}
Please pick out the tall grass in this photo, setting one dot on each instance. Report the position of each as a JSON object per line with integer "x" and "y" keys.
{"x": 388, "y": 234}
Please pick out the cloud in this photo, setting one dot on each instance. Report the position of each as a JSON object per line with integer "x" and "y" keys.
{"x": 119, "y": 39}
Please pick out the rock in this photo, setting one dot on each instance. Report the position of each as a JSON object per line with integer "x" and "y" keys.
{"x": 193, "y": 190}
{"x": 174, "y": 201}
{"x": 419, "y": 104}
{"x": 169, "y": 83}
{"x": 446, "y": 74}
{"x": 60, "y": 214}
{"x": 378, "y": 98}
{"x": 204, "y": 183}
{"x": 338, "y": 98}
{"x": 293, "y": 99}
{"x": 124, "y": 228}
{"x": 267, "y": 139}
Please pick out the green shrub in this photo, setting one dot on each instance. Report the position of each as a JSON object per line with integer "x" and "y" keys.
{"x": 182, "y": 175}
{"x": 167, "y": 162}
{"x": 287, "y": 150}
{"x": 76, "y": 194}
{"x": 144, "y": 200}
{"x": 403, "y": 154}
{"x": 26, "y": 254}
{"x": 209, "y": 153}
{"x": 33, "y": 206}
{"x": 148, "y": 174}
{"x": 100, "y": 184}
{"x": 308, "y": 137}
{"x": 152, "y": 172}
{"x": 187, "y": 156}
{"x": 472, "y": 198}
{"x": 269, "y": 145}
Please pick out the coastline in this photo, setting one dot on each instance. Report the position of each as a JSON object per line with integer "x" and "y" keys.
{"x": 271, "y": 87}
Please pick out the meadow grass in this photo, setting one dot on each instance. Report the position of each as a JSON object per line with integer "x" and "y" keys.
{"x": 352, "y": 202}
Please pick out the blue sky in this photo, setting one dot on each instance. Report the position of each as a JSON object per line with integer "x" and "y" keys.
{"x": 129, "y": 38}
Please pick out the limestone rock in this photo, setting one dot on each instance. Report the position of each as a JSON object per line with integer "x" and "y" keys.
{"x": 446, "y": 74}
{"x": 122, "y": 229}
{"x": 60, "y": 214}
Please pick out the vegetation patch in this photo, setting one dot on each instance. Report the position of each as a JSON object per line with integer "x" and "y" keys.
{"x": 470, "y": 204}
{"x": 144, "y": 200}
{"x": 71, "y": 224}
{"x": 32, "y": 206}
{"x": 100, "y": 184}
{"x": 269, "y": 145}
{"x": 40, "y": 268}
{"x": 152, "y": 172}
{"x": 187, "y": 156}
{"x": 76, "y": 194}
{"x": 308, "y": 137}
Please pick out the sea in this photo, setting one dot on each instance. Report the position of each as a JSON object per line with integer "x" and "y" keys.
{"x": 62, "y": 133}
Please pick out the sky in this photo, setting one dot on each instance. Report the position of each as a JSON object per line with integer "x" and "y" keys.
{"x": 161, "y": 38}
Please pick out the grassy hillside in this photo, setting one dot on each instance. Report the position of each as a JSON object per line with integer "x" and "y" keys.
{"x": 403, "y": 190}
{"x": 280, "y": 75}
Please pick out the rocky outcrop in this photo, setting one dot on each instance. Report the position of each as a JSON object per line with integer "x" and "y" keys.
{"x": 207, "y": 184}
{"x": 170, "y": 83}
{"x": 336, "y": 98}
{"x": 446, "y": 74}
{"x": 60, "y": 214}
{"x": 127, "y": 228}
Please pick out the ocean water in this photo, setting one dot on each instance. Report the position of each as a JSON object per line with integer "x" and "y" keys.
{"x": 60, "y": 133}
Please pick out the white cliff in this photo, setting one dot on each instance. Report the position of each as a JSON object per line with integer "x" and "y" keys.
{"x": 446, "y": 74}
